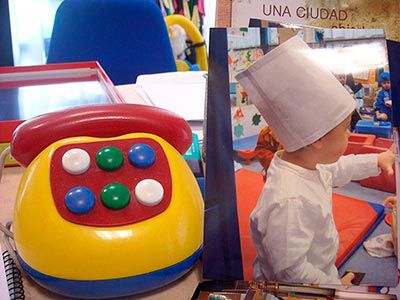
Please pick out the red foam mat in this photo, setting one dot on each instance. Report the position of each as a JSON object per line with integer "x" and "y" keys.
{"x": 353, "y": 219}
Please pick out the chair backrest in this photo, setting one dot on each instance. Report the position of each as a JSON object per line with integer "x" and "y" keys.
{"x": 127, "y": 37}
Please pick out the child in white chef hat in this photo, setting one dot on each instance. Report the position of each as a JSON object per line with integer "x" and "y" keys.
{"x": 292, "y": 225}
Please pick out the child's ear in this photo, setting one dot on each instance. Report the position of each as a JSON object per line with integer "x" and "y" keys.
{"x": 317, "y": 144}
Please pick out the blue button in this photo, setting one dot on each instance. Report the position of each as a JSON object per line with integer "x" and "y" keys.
{"x": 79, "y": 200}
{"x": 141, "y": 155}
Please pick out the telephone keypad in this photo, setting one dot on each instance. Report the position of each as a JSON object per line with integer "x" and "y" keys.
{"x": 132, "y": 182}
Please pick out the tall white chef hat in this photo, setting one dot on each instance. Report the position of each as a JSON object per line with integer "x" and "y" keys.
{"x": 300, "y": 100}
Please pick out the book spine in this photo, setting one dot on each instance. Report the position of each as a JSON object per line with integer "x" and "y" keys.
{"x": 14, "y": 278}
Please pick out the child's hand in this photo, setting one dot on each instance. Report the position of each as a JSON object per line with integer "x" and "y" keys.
{"x": 346, "y": 279}
{"x": 386, "y": 161}
{"x": 390, "y": 202}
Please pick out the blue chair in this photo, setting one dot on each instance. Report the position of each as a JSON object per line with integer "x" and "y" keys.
{"x": 127, "y": 37}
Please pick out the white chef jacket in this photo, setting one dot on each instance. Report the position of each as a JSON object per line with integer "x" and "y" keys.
{"x": 292, "y": 225}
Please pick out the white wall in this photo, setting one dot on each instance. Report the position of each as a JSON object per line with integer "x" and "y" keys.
{"x": 209, "y": 19}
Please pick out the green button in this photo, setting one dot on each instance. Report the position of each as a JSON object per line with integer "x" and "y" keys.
{"x": 115, "y": 196}
{"x": 109, "y": 158}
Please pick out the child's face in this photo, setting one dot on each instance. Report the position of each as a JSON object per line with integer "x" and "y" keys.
{"x": 386, "y": 85}
{"x": 335, "y": 142}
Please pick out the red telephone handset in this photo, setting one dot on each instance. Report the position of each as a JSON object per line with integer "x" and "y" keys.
{"x": 102, "y": 121}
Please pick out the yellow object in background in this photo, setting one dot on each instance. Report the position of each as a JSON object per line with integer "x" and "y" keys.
{"x": 182, "y": 66}
{"x": 194, "y": 35}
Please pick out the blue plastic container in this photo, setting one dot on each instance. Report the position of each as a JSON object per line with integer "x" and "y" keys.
{"x": 378, "y": 128}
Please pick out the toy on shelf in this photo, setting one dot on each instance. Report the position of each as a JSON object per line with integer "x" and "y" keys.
{"x": 107, "y": 206}
{"x": 379, "y": 128}
{"x": 197, "y": 40}
{"x": 383, "y": 181}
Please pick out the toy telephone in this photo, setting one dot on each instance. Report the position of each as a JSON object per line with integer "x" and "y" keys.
{"x": 107, "y": 206}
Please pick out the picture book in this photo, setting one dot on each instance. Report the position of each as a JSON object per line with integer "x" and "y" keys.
{"x": 349, "y": 228}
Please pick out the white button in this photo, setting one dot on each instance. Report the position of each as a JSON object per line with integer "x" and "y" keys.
{"x": 149, "y": 192}
{"x": 76, "y": 161}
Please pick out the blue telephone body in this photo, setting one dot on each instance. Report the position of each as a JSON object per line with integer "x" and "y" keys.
{"x": 112, "y": 211}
